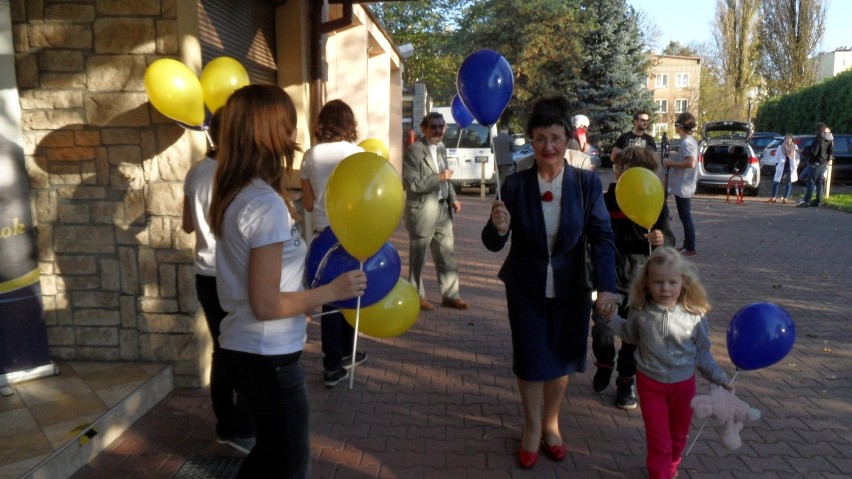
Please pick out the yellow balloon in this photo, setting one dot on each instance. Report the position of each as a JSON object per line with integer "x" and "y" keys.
{"x": 363, "y": 200}
{"x": 221, "y": 77}
{"x": 374, "y": 145}
{"x": 175, "y": 91}
{"x": 640, "y": 196}
{"x": 393, "y": 315}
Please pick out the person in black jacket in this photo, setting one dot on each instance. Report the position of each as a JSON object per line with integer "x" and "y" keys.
{"x": 633, "y": 245}
{"x": 819, "y": 153}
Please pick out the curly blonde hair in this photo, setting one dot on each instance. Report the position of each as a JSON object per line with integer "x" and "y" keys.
{"x": 693, "y": 296}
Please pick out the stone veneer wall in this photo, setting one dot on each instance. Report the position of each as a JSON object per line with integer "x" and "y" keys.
{"x": 106, "y": 172}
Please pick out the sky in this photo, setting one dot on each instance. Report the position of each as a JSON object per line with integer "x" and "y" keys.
{"x": 669, "y": 17}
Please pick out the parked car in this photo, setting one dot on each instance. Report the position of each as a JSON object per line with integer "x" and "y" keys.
{"x": 760, "y": 140}
{"x": 725, "y": 153}
{"x": 527, "y": 151}
{"x": 842, "y": 169}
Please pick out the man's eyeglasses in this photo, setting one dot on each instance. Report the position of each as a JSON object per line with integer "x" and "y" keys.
{"x": 433, "y": 126}
{"x": 646, "y": 120}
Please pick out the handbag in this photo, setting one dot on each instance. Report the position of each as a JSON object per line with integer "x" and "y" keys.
{"x": 587, "y": 269}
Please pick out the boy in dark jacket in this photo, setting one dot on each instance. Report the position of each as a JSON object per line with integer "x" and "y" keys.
{"x": 633, "y": 245}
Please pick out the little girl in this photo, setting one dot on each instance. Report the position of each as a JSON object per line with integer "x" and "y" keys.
{"x": 667, "y": 323}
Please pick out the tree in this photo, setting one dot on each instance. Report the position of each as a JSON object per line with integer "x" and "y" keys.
{"x": 429, "y": 27}
{"x": 539, "y": 38}
{"x": 615, "y": 66}
{"x": 790, "y": 31}
{"x": 676, "y": 48}
{"x": 735, "y": 33}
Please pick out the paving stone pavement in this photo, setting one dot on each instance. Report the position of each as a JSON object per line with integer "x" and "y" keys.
{"x": 440, "y": 401}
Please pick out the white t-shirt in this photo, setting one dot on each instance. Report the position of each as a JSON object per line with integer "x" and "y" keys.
{"x": 682, "y": 180}
{"x": 317, "y": 165}
{"x": 198, "y": 188}
{"x": 551, "y": 211}
{"x": 258, "y": 217}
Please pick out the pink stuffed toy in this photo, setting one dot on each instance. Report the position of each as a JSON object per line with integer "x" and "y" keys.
{"x": 727, "y": 408}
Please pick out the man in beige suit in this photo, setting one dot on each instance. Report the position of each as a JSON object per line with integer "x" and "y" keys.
{"x": 430, "y": 202}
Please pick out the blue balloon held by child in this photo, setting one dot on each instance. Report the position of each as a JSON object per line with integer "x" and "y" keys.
{"x": 760, "y": 335}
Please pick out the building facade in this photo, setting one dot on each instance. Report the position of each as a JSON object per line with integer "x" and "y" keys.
{"x": 675, "y": 83}
{"x": 106, "y": 169}
{"x": 830, "y": 64}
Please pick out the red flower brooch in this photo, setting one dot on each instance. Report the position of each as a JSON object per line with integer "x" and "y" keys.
{"x": 547, "y": 197}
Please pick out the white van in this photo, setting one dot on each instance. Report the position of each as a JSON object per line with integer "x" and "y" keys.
{"x": 467, "y": 151}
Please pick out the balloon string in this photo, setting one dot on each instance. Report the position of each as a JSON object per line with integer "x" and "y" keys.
{"x": 325, "y": 312}
{"x": 496, "y": 166}
{"x": 708, "y": 417}
{"x": 650, "y": 247}
{"x": 355, "y": 337}
{"x": 209, "y": 138}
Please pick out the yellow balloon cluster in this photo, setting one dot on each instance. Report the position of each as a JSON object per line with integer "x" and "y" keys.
{"x": 364, "y": 200}
{"x": 178, "y": 94}
{"x": 639, "y": 193}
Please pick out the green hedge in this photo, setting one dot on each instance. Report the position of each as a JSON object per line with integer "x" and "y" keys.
{"x": 829, "y": 102}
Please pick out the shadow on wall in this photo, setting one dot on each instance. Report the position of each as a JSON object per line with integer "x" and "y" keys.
{"x": 117, "y": 274}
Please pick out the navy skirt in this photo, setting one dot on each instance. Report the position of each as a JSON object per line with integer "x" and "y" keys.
{"x": 549, "y": 335}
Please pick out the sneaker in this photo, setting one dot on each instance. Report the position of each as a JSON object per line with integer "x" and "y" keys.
{"x": 803, "y": 205}
{"x": 359, "y": 358}
{"x": 814, "y": 204}
{"x": 331, "y": 378}
{"x": 625, "y": 397}
{"x": 240, "y": 444}
{"x": 601, "y": 379}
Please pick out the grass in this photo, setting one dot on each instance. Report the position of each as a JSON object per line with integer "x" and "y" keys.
{"x": 842, "y": 202}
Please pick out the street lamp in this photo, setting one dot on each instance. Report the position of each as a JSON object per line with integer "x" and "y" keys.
{"x": 750, "y": 95}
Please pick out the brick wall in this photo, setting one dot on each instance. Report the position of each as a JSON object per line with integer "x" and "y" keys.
{"x": 106, "y": 172}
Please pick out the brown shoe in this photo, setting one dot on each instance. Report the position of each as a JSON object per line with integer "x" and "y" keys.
{"x": 425, "y": 305}
{"x": 454, "y": 303}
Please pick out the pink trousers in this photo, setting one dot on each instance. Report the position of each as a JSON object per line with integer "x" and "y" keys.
{"x": 667, "y": 415}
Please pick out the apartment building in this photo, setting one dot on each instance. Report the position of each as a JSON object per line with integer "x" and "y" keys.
{"x": 674, "y": 81}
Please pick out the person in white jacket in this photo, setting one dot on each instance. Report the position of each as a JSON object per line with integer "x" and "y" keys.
{"x": 786, "y": 163}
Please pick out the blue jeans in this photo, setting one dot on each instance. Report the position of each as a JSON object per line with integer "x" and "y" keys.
{"x": 816, "y": 180}
{"x": 232, "y": 417}
{"x": 684, "y": 212}
{"x": 275, "y": 391}
{"x": 337, "y": 338}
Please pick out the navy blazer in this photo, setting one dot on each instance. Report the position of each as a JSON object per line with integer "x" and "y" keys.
{"x": 525, "y": 268}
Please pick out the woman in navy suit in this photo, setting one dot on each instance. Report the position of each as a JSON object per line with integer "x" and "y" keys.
{"x": 545, "y": 211}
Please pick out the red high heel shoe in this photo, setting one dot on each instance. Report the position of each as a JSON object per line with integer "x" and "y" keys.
{"x": 527, "y": 459}
{"x": 554, "y": 453}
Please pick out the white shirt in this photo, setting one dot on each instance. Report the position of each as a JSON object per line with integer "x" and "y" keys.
{"x": 198, "y": 188}
{"x": 258, "y": 217}
{"x": 551, "y": 211}
{"x": 317, "y": 165}
{"x": 682, "y": 180}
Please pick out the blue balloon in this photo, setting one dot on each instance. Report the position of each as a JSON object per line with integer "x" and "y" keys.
{"x": 460, "y": 114}
{"x": 382, "y": 270}
{"x": 484, "y": 83}
{"x": 760, "y": 335}
{"x": 320, "y": 245}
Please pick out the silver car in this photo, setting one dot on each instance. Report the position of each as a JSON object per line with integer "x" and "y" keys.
{"x": 725, "y": 154}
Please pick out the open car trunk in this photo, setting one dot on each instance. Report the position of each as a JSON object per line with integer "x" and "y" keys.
{"x": 725, "y": 159}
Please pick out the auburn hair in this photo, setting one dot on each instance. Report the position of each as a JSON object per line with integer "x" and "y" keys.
{"x": 256, "y": 140}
